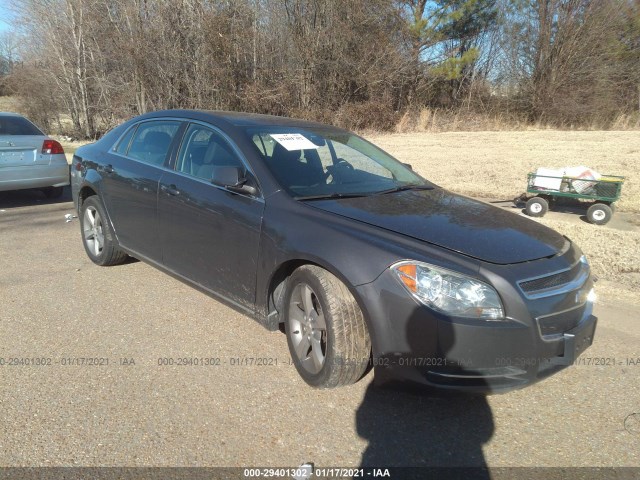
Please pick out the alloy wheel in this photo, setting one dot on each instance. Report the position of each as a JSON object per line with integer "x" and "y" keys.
{"x": 92, "y": 230}
{"x": 308, "y": 328}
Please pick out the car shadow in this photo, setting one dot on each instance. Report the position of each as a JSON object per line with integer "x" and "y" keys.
{"x": 440, "y": 431}
{"x": 572, "y": 210}
{"x": 568, "y": 205}
{"x": 31, "y": 197}
{"x": 129, "y": 260}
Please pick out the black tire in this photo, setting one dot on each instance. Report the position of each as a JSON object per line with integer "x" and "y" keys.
{"x": 53, "y": 192}
{"x": 537, "y": 207}
{"x": 345, "y": 341}
{"x": 95, "y": 226}
{"x": 599, "y": 213}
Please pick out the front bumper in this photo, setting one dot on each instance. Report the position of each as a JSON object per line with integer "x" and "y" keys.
{"x": 34, "y": 176}
{"x": 413, "y": 343}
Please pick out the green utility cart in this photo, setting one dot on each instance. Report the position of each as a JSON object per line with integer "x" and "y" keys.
{"x": 599, "y": 194}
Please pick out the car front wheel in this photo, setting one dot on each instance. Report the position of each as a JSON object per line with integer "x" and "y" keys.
{"x": 97, "y": 236}
{"x": 326, "y": 331}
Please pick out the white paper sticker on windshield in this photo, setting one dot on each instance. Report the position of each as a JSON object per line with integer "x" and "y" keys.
{"x": 293, "y": 141}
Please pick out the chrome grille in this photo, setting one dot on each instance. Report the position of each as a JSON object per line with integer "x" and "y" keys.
{"x": 557, "y": 282}
{"x": 552, "y": 280}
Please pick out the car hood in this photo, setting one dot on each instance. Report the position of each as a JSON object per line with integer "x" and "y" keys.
{"x": 453, "y": 222}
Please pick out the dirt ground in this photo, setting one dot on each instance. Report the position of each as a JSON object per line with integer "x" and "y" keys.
{"x": 494, "y": 165}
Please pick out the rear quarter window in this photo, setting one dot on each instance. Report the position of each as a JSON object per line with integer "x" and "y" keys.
{"x": 123, "y": 145}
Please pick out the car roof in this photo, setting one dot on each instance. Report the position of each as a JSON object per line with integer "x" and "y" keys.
{"x": 10, "y": 114}
{"x": 238, "y": 119}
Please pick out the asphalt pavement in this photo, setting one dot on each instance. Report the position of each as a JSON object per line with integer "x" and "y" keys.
{"x": 126, "y": 366}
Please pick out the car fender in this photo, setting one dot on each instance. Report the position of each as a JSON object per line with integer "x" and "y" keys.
{"x": 356, "y": 253}
{"x": 92, "y": 179}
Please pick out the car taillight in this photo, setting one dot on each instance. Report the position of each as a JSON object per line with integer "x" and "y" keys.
{"x": 77, "y": 163}
{"x": 51, "y": 147}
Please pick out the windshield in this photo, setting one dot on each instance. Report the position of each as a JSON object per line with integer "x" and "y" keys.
{"x": 323, "y": 163}
{"x": 14, "y": 125}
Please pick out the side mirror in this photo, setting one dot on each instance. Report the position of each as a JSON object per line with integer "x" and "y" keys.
{"x": 232, "y": 178}
{"x": 409, "y": 166}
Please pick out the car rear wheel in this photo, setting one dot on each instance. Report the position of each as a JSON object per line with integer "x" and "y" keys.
{"x": 97, "y": 236}
{"x": 326, "y": 331}
{"x": 537, "y": 207}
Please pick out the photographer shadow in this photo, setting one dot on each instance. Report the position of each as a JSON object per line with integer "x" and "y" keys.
{"x": 412, "y": 426}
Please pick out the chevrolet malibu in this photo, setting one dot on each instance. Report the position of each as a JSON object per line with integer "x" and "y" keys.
{"x": 362, "y": 262}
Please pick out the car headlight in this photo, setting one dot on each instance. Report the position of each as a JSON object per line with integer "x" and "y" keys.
{"x": 449, "y": 292}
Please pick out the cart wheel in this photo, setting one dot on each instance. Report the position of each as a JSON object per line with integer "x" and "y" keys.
{"x": 599, "y": 213}
{"x": 537, "y": 207}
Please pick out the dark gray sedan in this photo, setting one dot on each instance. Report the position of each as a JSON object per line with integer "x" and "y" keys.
{"x": 361, "y": 261}
{"x": 29, "y": 158}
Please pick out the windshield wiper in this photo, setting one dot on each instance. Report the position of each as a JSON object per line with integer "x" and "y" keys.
{"x": 332, "y": 195}
{"x": 398, "y": 188}
{"x": 402, "y": 188}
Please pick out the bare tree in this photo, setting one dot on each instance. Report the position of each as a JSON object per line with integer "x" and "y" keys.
{"x": 356, "y": 63}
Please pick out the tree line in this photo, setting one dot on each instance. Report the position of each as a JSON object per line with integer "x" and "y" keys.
{"x": 361, "y": 64}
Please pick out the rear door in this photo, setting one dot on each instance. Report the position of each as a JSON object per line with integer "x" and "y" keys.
{"x": 209, "y": 234}
{"x": 130, "y": 175}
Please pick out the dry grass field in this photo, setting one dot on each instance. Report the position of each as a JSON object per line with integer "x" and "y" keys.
{"x": 8, "y": 104}
{"x": 614, "y": 256}
{"x": 494, "y": 165}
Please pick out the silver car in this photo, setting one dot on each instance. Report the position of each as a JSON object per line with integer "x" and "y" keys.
{"x": 29, "y": 158}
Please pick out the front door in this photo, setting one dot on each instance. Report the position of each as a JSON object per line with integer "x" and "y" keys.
{"x": 209, "y": 234}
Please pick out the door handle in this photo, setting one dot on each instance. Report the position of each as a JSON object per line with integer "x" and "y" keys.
{"x": 107, "y": 169}
{"x": 170, "y": 189}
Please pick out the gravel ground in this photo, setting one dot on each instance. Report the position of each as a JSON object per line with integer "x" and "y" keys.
{"x": 54, "y": 303}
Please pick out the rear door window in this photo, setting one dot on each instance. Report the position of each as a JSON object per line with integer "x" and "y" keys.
{"x": 204, "y": 149}
{"x": 152, "y": 140}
